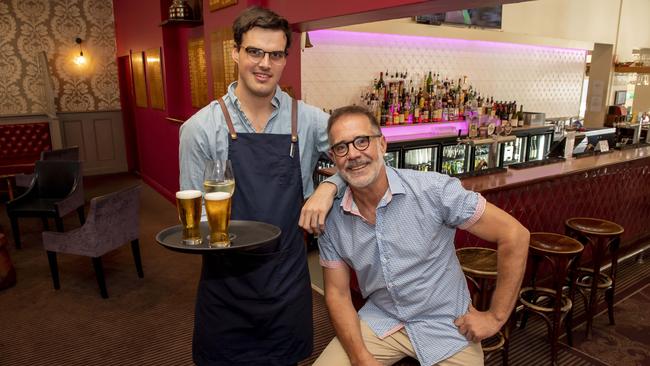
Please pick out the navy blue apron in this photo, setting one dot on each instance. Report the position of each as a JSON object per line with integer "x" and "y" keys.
{"x": 254, "y": 308}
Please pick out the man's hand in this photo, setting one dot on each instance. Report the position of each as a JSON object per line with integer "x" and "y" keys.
{"x": 314, "y": 211}
{"x": 478, "y": 325}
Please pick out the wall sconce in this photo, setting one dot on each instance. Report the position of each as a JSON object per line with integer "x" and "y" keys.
{"x": 81, "y": 59}
{"x": 307, "y": 41}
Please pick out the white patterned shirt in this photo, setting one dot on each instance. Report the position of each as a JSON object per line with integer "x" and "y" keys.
{"x": 406, "y": 263}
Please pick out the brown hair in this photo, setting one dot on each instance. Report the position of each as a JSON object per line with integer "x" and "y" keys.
{"x": 256, "y": 16}
{"x": 353, "y": 109}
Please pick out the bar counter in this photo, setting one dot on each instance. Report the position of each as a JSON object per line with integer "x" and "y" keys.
{"x": 614, "y": 186}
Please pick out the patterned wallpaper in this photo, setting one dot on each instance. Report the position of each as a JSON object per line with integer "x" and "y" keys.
{"x": 342, "y": 64}
{"x": 28, "y": 27}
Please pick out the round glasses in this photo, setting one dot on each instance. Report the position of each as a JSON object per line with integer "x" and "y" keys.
{"x": 257, "y": 55}
{"x": 360, "y": 143}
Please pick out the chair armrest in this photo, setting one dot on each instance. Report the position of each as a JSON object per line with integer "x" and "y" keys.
{"x": 78, "y": 241}
{"x": 72, "y": 201}
{"x": 29, "y": 192}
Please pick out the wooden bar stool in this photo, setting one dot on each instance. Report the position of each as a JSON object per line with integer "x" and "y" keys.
{"x": 480, "y": 268}
{"x": 601, "y": 236}
{"x": 550, "y": 303}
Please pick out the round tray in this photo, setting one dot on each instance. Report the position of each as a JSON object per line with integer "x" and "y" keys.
{"x": 248, "y": 235}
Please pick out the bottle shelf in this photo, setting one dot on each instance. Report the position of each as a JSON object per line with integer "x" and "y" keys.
{"x": 632, "y": 69}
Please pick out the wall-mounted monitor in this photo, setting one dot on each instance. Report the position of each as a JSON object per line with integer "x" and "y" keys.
{"x": 485, "y": 17}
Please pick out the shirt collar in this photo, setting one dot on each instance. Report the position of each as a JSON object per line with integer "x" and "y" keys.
{"x": 275, "y": 102}
{"x": 395, "y": 186}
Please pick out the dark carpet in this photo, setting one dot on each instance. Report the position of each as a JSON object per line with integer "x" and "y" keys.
{"x": 627, "y": 343}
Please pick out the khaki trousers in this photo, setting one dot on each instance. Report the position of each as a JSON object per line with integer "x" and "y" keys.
{"x": 392, "y": 349}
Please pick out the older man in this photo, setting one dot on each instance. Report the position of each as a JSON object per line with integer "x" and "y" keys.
{"x": 395, "y": 229}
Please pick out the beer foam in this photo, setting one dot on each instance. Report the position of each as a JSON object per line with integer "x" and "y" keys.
{"x": 188, "y": 195}
{"x": 217, "y": 196}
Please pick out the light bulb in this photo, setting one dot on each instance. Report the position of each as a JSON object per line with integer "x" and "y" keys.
{"x": 80, "y": 60}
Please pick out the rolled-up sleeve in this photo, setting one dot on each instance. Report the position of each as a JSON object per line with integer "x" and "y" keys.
{"x": 329, "y": 257}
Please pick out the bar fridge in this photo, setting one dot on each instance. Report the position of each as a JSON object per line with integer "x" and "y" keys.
{"x": 422, "y": 158}
{"x": 512, "y": 152}
{"x": 393, "y": 157}
{"x": 481, "y": 157}
{"x": 455, "y": 158}
{"x": 538, "y": 146}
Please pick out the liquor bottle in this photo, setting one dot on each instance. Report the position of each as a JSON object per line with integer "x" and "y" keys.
{"x": 520, "y": 116}
{"x": 429, "y": 83}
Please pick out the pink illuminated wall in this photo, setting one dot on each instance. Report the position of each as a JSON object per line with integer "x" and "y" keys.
{"x": 342, "y": 64}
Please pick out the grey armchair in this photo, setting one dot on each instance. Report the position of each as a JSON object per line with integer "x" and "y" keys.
{"x": 57, "y": 189}
{"x": 113, "y": 220}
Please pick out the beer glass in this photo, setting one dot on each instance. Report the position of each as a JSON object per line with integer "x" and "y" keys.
{"x": 219, "y": 186}
{"x": 189, "y": 212}
{"x": 217, "y": 207}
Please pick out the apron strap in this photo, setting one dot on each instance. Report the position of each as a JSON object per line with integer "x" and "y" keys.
{"x": 226, "y": 114}
{"x": 294, "y": 120}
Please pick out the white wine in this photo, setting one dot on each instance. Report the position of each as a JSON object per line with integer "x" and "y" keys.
{"x": 227, "y": 186}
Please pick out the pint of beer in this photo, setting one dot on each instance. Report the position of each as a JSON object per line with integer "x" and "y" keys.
{"x": 217, "y": 206}
{"x": 189, "y": 212}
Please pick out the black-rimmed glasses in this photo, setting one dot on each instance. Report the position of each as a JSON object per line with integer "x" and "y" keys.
{"x": 360, "y": 143}
{"x": 257, "y": 55}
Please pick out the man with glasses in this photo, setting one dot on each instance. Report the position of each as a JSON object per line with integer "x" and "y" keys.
{"x": 254, "y": 307}
{"x": 395, "y": 228}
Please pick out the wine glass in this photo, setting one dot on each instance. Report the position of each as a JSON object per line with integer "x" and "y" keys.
{"x": 218, "y": 177}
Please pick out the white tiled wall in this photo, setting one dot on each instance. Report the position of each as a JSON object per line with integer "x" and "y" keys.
{"x": 341, "y": 64}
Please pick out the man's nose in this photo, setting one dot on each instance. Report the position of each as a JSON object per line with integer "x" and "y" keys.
{"x": 265, "y": 62}
{"x": 353, "y": 152}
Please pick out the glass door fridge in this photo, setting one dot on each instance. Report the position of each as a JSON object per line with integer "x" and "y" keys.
{"x": 512, "y": 152}
{"x": 455, "y": 158}
{"x": 480, "y": 157}
{"x": 423, "y": 158}
{"x": 538, "y": 146}
{"x": 393, "y": 157}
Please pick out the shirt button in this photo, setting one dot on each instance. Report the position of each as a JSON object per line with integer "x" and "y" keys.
{"x": 384, "y": 260}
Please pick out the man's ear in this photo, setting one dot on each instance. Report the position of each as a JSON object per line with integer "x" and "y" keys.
{"x": 330, "y": 155}
{"x": 383, "y": 144}
{"x": 235, "y": 54}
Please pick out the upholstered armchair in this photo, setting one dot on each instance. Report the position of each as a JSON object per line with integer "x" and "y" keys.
{"x": 57, "y": 190}
{"x": 113, "y": 220}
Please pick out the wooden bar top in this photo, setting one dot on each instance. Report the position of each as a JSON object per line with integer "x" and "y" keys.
{"x": 512, "y": 177}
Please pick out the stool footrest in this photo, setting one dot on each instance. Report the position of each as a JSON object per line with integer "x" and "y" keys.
{"x": 586, "y": 275}
{"x": 536, "y": 292}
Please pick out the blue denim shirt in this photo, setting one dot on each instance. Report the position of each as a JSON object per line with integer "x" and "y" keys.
{"x": 406, "y": 263}
{"x": 205, "y": 136}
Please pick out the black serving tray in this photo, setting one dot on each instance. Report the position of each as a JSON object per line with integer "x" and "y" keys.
{"x": 246, "y": 235}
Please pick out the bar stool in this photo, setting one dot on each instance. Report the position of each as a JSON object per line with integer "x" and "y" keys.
{"x": 480, "y": 268}
{"x": 550, "y": 303}
{"x": 600, "y": 235}
{"x": 7, "y": 270}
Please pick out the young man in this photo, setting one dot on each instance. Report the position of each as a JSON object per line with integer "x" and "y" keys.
{"x": 254, "y": 308}
{"x": 395, "y": 229}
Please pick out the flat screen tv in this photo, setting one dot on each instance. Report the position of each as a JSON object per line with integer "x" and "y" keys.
{"x": 485, "y": 17}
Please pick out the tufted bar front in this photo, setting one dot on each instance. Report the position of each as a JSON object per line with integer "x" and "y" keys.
{"x": 21, "y": 145}
{"x": 613, "y": 186}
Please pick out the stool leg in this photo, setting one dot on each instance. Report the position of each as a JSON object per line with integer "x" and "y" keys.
{"x": 54, "y": 269}
{"x": 15, "y": 230}
{"x": 535, "y": 265}
{"x": 609, "y": 293}
{"x": 568, "y": 321}
{"x": 596, "y": 256}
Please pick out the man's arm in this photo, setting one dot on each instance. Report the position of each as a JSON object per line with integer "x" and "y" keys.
{"x": 512, "y": 239}
{"x": 315, "y": 210}
{"x": 344, "y": 317}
